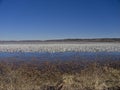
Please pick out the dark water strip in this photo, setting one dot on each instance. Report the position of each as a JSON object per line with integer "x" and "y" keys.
{"x": 61, "y": 55}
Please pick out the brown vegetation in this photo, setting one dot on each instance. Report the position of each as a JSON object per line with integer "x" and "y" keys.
{"x": 69, "y": 75}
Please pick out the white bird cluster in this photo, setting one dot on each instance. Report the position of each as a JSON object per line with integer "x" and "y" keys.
{"x": 83, "y": 47}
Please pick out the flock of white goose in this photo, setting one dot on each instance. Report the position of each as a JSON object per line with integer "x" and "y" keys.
{"x": 83, "y": 47}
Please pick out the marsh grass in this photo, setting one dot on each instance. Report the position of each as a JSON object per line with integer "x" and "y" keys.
{"x": 69, "y": 75}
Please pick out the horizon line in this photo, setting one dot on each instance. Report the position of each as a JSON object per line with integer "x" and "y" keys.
{"x": 60, "y": 39}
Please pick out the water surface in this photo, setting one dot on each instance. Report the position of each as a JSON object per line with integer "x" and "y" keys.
{"x": 41, "y": 56}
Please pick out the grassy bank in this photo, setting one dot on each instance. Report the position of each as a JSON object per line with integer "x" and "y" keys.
{"x": 70, "y": 75}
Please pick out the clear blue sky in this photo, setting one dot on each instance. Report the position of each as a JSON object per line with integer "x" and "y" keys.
{"x": 54, "y": 19}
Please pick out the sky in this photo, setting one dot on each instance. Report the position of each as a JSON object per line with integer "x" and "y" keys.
{"x": 59, "y": 19}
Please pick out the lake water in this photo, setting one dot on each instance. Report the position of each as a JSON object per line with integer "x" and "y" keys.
{"x": 43, "y": 56}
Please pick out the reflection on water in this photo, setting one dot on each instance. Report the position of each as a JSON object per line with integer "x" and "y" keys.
{"x": 61, "y": 55}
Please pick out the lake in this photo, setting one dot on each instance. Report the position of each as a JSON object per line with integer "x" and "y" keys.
{"x": 63, "y": 56}
{"x": 60, "y": 51}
